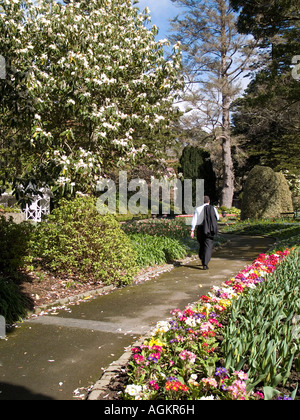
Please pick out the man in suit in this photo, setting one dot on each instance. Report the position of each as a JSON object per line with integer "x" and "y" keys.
{"x": 206, "y": 220}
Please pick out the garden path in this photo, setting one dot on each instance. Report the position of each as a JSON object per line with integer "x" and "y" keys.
{"x": 50, "y": 356}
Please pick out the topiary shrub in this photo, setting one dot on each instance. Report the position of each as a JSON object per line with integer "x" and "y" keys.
{"x": 77, "y": 240}
{"x": 286, "y": 201}
{"x": 266, "y": 195}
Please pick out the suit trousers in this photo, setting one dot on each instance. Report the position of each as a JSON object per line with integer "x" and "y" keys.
{"x": 206, "y": 244}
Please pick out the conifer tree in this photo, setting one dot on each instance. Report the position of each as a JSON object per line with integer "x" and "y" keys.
{"x": 216, "y": 56}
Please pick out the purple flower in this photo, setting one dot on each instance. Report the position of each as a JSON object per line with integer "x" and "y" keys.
{"x": 221, "y": 372}
{"x": 200, "y": 316}
{"x": 172, "y": 379}
{"x": 154, "y": 357}
{"x": 213, "y": 315}
{"x": 173, "y": 325}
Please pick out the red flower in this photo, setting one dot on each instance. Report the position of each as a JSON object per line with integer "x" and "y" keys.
{"x": 189, "y": 312}
{"x": 175, "y": 386}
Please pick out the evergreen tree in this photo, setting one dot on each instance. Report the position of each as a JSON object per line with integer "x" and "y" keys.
{"x": 196, "y": 164}
{"x": 268, "y": 116}
{"x": 215, "y": 58}
{"x": 266, "y": 18}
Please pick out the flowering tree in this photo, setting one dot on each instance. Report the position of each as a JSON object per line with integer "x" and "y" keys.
{"x": 88, "y": 89}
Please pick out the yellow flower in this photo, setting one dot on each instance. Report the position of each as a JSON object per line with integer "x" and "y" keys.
{"x": 225, "y": 302}
{"x": 155, "y": 342}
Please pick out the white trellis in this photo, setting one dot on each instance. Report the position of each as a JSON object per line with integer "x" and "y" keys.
{"x": 40, "y": 205}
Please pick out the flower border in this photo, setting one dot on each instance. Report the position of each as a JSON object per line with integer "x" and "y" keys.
{"x": 180, "y": 360}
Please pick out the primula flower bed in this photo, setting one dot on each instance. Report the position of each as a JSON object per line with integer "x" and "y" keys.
{"x": 182, "y": 361}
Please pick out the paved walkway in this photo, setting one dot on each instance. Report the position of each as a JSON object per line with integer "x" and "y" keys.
{"x": 51, "y": 356}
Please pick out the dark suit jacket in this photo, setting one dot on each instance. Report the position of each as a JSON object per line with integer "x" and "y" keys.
{"x": 210, "y": 223}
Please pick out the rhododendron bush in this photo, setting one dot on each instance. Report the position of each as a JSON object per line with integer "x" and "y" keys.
{"x": 87, "y": 89}
{"x": 183, "y": 358}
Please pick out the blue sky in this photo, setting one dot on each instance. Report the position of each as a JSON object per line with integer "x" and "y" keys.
{"x": 161, "y": 12}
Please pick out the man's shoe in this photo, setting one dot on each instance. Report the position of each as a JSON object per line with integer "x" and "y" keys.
{"x": 205, "y": 267}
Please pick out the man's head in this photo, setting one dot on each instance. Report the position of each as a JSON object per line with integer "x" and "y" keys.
{"x": 206, "y": 199}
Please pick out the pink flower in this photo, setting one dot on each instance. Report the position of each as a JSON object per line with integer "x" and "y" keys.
{"x": 238, "y": 390}
{"x": 210, "y": 382}
{"x": 188, "y": 355}
{"x": 138, "y": 358}
{"x": 206, "y": 327}
{"x": 154, "y": 385}
{"x": 241, "y": 375}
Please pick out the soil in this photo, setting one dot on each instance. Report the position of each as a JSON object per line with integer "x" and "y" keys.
{"x": 116, "y": 386}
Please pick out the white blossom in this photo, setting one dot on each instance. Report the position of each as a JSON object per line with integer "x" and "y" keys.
{"x": 94, "y": 79}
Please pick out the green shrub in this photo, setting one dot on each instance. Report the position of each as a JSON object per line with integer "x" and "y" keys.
{"x": 152, "y": 250}
{"x": 14, "y": 209}
{"x": 176, "y": 229}
{"x": 195, "y": 163}
{"x": 13, "y": 305}
{"x": 14, "y": 244}
{"x": 77, "y": 240}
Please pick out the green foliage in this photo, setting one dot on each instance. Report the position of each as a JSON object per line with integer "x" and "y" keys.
{"x": 196, "y": 164}
{"x": 14, "y": 209}
{"x": 265, "y": 18}
{"x": 14, "y": 247}
{"x": 152, "y": 250}
{"x": 268, "y": 114}
{"x": 158, "y": 241}
{"x": 266, "y": 121}
{"x": 77, "y": 240}
{"x": 13, "y": 305}
{"x": 176, "y": 229}
{"x": 261, "y": 329}
{"x": 266, "y": 195}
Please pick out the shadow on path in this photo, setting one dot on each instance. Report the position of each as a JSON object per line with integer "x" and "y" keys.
{"x": 13, "y": 392}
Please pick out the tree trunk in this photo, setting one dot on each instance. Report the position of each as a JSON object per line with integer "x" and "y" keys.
{"x": 228, "y": 174}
